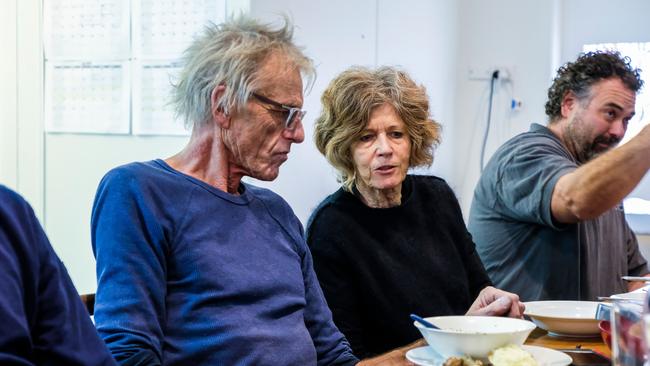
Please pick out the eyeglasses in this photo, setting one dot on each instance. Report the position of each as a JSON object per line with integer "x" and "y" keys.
{"x": 293, "y": 114}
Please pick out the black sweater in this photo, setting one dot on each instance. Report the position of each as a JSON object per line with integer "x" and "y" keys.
{"x": 376, "y": 266}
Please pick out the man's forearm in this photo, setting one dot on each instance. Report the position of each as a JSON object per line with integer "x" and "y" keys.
{"x": 599, "y": 185}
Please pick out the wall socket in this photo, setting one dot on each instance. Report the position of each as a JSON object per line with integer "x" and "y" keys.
{"x": 485, "y": 73}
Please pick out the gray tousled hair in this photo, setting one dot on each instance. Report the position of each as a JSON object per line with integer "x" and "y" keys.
{"x": 231, "y": 54}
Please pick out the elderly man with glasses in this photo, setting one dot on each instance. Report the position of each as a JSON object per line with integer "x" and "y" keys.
{"x": 194, "y": 266}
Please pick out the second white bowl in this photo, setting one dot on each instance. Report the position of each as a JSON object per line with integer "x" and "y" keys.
{"x": 565, "y": 318}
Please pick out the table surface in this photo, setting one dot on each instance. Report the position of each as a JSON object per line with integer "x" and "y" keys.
{"x": 540, "y": 338}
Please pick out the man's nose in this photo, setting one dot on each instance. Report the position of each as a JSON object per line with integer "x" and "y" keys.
{"x": 297, "y": 135}
{"x": 618, "y": 129}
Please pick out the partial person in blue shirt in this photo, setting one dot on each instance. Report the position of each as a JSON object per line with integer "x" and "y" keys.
{"x": 194, "y": 266}
{"x": 42, "y": 318}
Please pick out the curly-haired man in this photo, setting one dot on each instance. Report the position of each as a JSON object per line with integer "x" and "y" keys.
{"x": 546, "y": 215}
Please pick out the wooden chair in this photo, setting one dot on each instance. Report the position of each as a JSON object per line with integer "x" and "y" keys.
{"x": 89, "y": 301}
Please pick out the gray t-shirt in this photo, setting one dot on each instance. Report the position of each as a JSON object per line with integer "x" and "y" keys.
{"x": 522, "y": 247}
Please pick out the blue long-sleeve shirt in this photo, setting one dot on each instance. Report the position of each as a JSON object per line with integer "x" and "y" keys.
{"x": 191, "y": 275}
{"x": 42, "y": 319}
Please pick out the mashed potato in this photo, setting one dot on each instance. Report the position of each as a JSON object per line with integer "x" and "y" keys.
{"x": 511, "y": 355}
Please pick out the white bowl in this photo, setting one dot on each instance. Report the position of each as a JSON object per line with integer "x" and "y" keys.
{"x": 473, "y": 336}
{"x": 565, "y": 318}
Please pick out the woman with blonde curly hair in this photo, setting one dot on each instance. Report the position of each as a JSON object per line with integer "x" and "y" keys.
{"x": 388, "y": 243}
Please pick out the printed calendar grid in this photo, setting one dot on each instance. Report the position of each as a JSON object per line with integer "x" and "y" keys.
{"x": 109, "y": 64}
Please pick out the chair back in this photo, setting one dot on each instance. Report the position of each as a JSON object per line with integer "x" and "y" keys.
{"x": 89, "y": 301}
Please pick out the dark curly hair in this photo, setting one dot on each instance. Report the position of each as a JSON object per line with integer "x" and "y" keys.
{"x": 587, "y": 70}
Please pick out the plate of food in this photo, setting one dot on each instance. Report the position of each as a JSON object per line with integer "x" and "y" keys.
{"x": 565, "y": 318}
{"x": 502, "y": 356}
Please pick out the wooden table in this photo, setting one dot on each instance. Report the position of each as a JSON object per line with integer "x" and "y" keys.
{"x": 540, "y": 338}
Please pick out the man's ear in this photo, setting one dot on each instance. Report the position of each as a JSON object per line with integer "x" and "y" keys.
{"x": 218, "y": 115}
{"x": 569, "y": 102}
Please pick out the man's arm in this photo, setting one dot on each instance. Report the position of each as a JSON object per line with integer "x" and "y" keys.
{"x": 602, "y": 183}
{"x": 41, "y": 314}
{"x": 635, "y": 285}
{"x": 131, "y": 272}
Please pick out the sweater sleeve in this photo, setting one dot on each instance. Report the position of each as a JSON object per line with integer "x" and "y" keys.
{"x": 331, "y": 346}
{"x": 130, "y": 247}
{"x": 341, "y": 297}
{"x": 335, "y": 277}
{"x": 42, "y": 318}
{"x": 477, "y": 276}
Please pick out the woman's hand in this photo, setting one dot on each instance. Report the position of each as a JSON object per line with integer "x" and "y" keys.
{"x": 494, "y": 302}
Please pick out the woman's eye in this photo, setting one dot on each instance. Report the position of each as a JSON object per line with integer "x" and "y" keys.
{"x": 365, "y": 138}
{"x": 397, "y": 134}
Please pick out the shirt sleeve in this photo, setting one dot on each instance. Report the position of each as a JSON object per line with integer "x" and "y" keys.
{"x": 130, "y": 247}
{"x": 331, "y": 346}
{"x": 525, "y": 184}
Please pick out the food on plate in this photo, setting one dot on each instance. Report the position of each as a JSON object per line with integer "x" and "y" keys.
{"x": 511, "y": 355}
{"x": 462, "y": 361}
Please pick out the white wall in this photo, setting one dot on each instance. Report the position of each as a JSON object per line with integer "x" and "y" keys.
{"x": 602, "y": 21}
{"x": 517, "y": 35}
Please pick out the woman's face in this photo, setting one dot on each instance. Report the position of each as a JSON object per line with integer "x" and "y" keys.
{"x": 381, "y": 154}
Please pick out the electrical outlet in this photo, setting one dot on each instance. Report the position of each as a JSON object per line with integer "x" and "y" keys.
{"x": 485, "y": 73}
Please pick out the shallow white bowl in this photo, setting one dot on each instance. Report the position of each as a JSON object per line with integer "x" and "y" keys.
{"x": 473, "y": 336}
{"x": 565, "y": 318}
{"x": 636, "y": 295}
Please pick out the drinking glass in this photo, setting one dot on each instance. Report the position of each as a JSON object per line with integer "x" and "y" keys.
{"x": 628, "y": 346}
